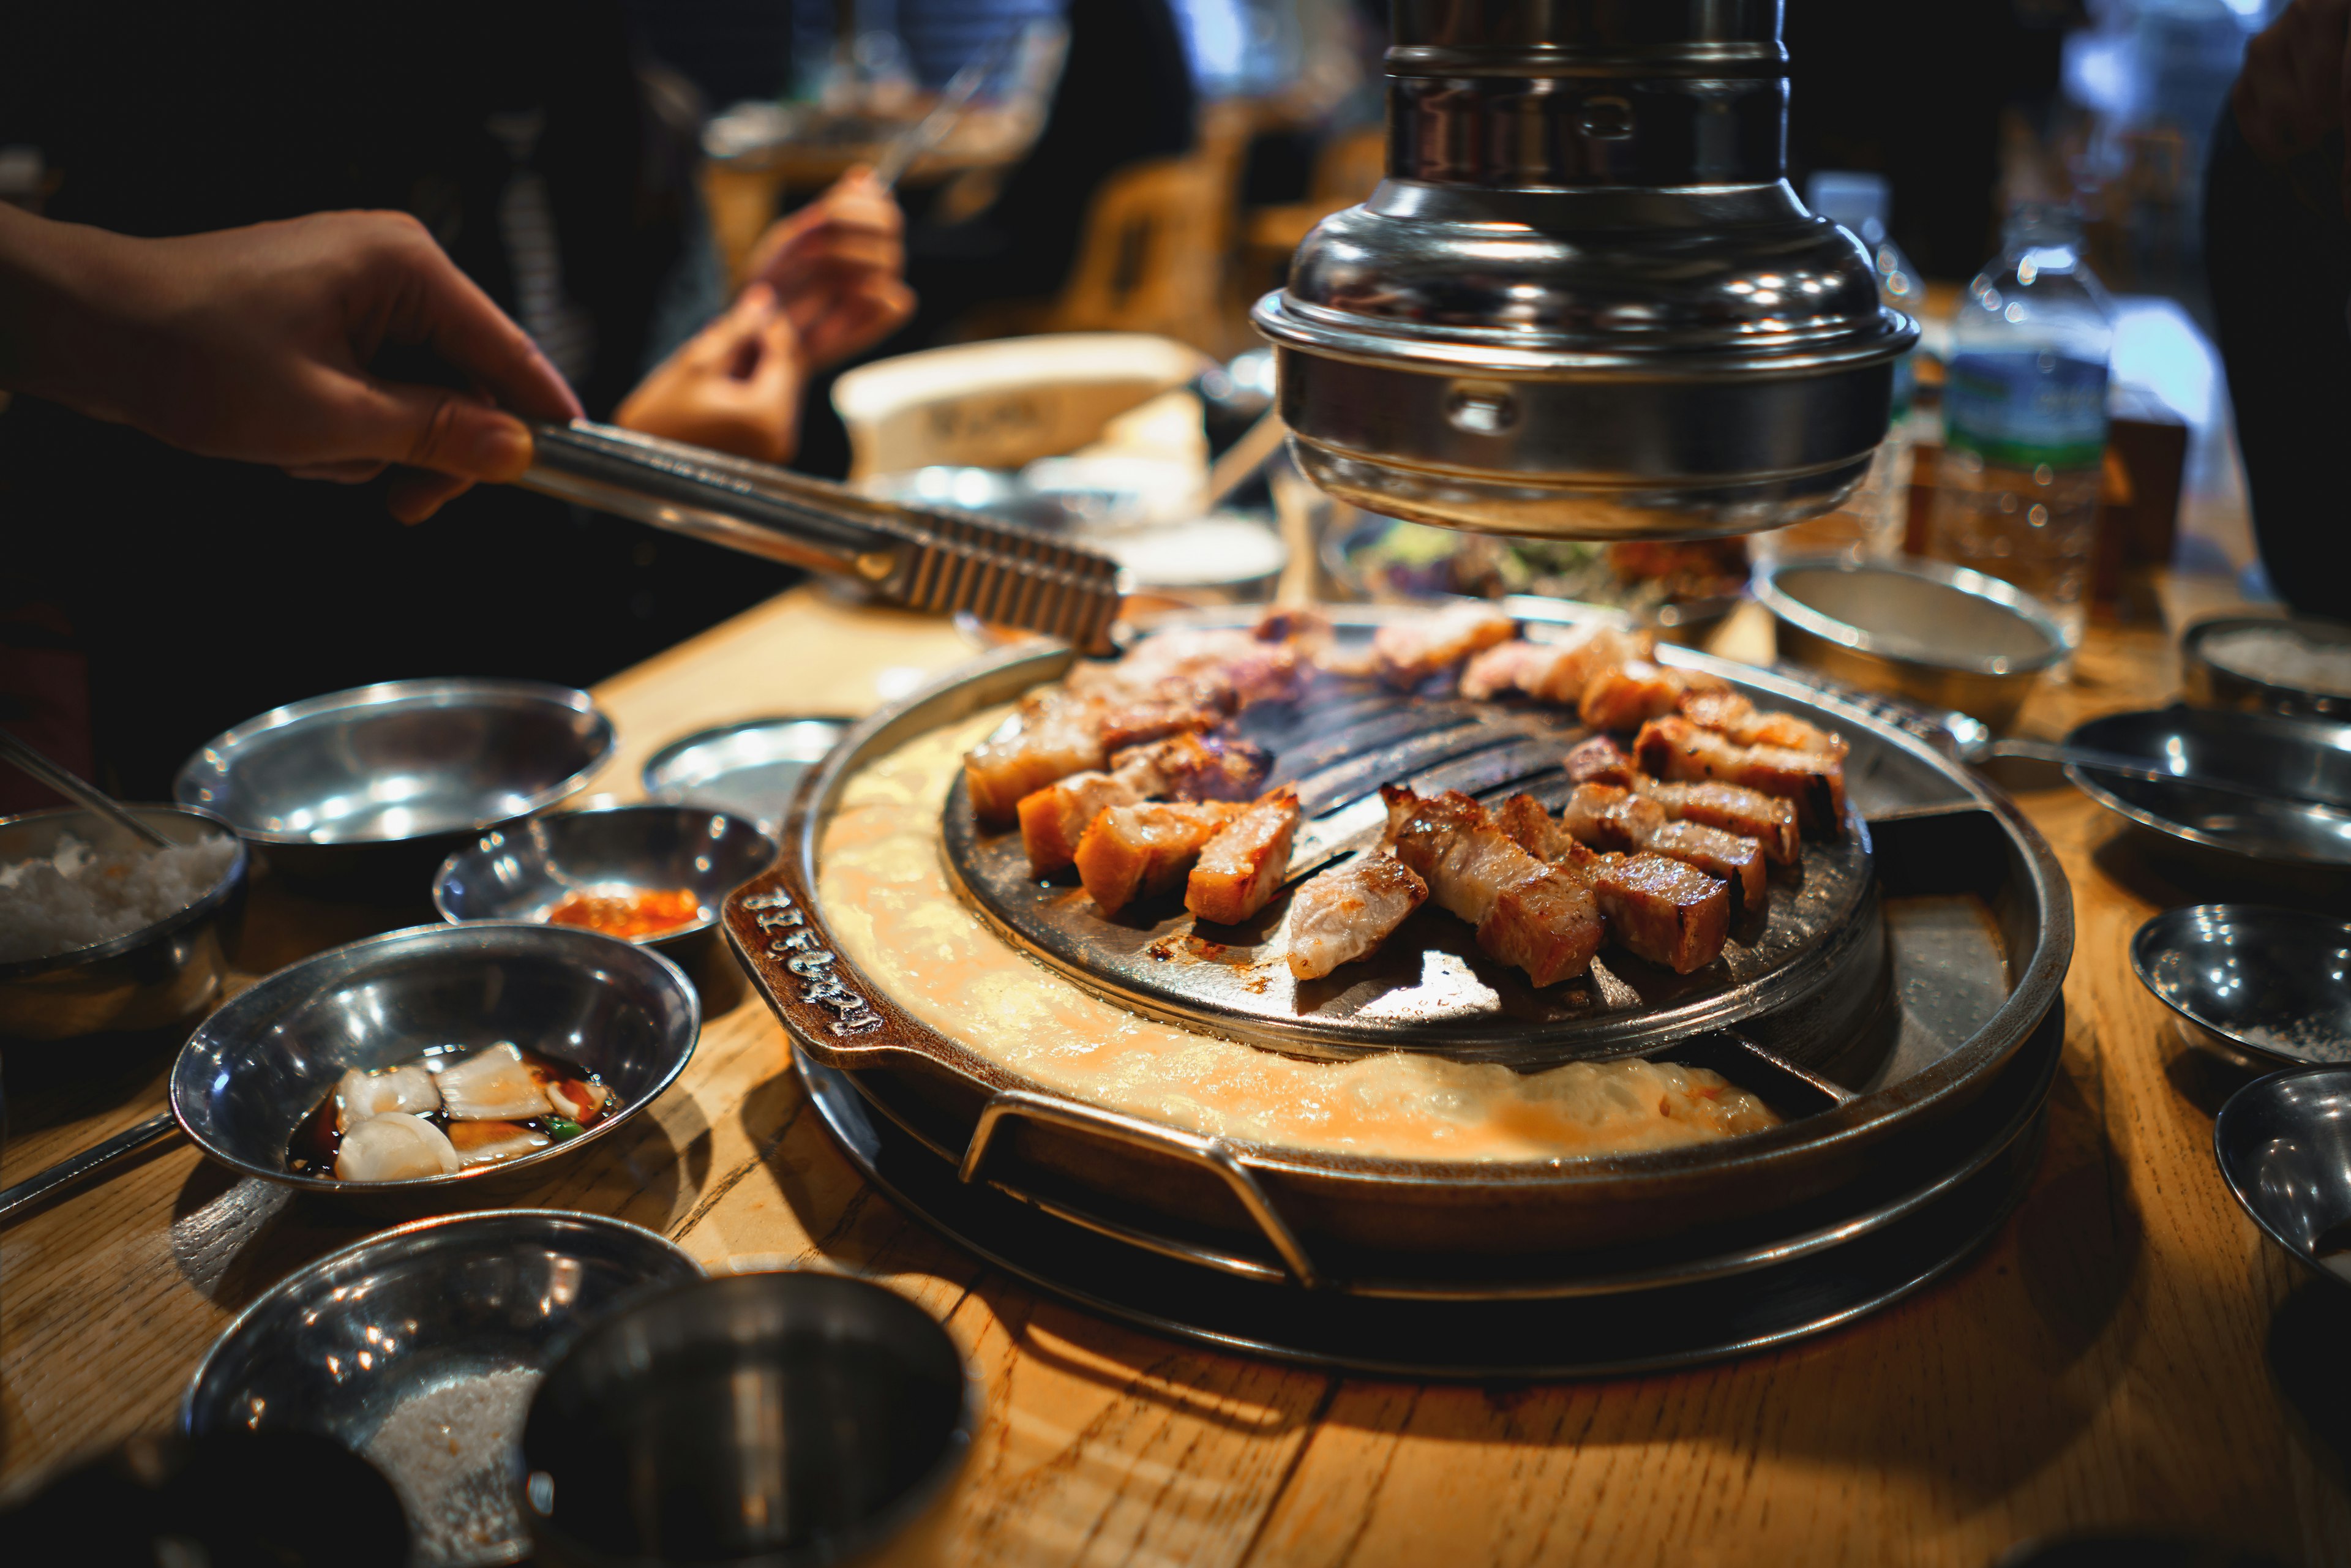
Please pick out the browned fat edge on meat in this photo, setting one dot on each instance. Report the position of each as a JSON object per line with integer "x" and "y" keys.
{"x": 1730, "y": 713}
{"x": 1676, "y": 749}
{"x": 1601, "y": 760}
{"x": 1141, "y": 852}
{"x": 1409, "y": 652}
{"x": 1202, "y": 766}
{"x": 1553, "y": 671}
{"x": 1750, "y": 814}
{"x": 1608, "y": 818}
{"x": 1536, "y": 916}
{"x": 1346, "y": 913}
{"x": 1242, "y": 866}
{"x": 1626, "y": 695}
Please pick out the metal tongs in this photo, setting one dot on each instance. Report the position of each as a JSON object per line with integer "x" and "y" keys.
{"x": 936, "y": 560}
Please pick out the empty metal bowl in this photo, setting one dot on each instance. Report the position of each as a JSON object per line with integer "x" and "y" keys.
{"x": 2215, "y": 681}
{"x": 2284, "y": 1146}
{"x": 748, "y": 769}
{"x": 379, "y": 783}
{"x": 776, "y": 1419}
{"x": 522, "y": 872}
{"x": 151, "y": 976}
{"x": 1939, "y": 635}
{"x": 2303, "y": 764}
{"x": 254, "y": 1070}
{"x": 419, "y": 1349}
{"x": 2255, "y": 984}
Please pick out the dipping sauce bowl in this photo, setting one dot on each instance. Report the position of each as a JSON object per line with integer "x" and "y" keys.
{"x": 2255, "y": 984}
{"x": 783, "y": 1420}
{"x": 2284, "y": 1146}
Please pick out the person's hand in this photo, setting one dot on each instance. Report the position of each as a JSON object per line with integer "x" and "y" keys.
{"x": 837, "y": 267}
{"x": 734, "y": 386}
{"x": 2295, "y": 84}
{"x": 257, "y": 343}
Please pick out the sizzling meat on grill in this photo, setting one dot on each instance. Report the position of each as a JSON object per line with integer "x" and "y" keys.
{"x": 1139, "y": 852}
{"x": 1627, "y": 696}
{"x": 1601, "y": 760}
{"x": 1677, "y": 750}
{"x": 1608, "y": 818}
{"x": 1552, "y": 672}
{"x": 1768, "y": 820}
{"x": 1346, "y": 913}
{"x": 1409, "y": 651}
{"x": 1658, "y": 908}
{"x": 1539, "y": 917}
{"x": 1732, "y": 715}
{"x": 1241, "y": 867}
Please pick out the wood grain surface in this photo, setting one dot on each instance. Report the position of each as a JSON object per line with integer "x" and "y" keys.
{"x": 2128, "y": 1350}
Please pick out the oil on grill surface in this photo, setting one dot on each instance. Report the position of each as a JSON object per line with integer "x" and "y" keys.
{"x": 1430, "y": 987}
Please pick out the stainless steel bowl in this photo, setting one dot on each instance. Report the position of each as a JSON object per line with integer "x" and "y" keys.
{"x": 521, "y": 872}
{"x": 783, "y": 1419}
{"x": 156, "y": 975}
{"x": 1940, "y": 635}
{"x": 2303, "y": 764}
{"x": 448, "y": 1318}
{"x": 2284, "y": 1146}
{"x": 2210, "y": 684}
{"x": 376, "y": 785}
{"x": 748, "y": 769}
{"x": 2258, "y": 985}
{"x": 254, "y": 1070}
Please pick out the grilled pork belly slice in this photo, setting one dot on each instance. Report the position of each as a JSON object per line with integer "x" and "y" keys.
{"x": 1678, "y": 751}
{"x": 1601, "y": 760}
{"x": 1627, "y": 696}
{"x": 1204, "y": 766}
{"x": 1768, "y": 820}
{"x": 1651, "y": 910}
{"x": 1553, "y": 671}
{"x": 1055, "y": 818}
{"x": 1663, "y": 910}
{"x": 1054, "y": 740}
{"x": 1409, "y": 651}
{"x": 1608, "y": 818}
{"x": 1539, "y": 917}
{"x": 1730, "y": 713}
{"x": 1346, "y": 913}
{"x": 1241, "y": 867}
{"x": 1253, "y": 667}
{"x": 1139, "y": 852}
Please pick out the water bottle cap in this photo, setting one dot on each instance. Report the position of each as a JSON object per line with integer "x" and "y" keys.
{"x": 1859, "y": 201}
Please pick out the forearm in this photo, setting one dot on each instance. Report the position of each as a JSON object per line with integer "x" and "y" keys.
{"x": 57, "y": 338}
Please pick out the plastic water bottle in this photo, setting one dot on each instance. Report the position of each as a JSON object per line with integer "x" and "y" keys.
{"x": 2024, "y": 415}
{"x": 1873, "y": 519}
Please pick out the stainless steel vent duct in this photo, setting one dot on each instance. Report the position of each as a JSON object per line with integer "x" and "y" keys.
{"x": 1585, "y": 302}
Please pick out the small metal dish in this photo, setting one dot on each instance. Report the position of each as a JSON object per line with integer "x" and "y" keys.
{"x": 382, "y": 782}
{"x": 151, "y": 976}
{"x": 254, "y": 1070}
{"x": 2212, "y": 683}
{"x": 785, "y": 1420}
{"x": 521, "y": 873}
{"x": 1936, "y": 634}
{"x": 440, "y": 1323}
{"x": 2284, "y": 1146}
{"x": 2258, "y": 985}
{"x": 2304, "y": 763}
{"x": 749, "y": 768}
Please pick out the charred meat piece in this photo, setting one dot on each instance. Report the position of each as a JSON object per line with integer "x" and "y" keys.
{"x": 1253, "y": 667}
{"x": 1054, "y": 739}
{"x": 1346, "y": 913}
{"x": 1054, "y": 820}
{"x": 1730, "y": 713}
{"x": 1608, "y": 818}
{"x": 1627, "y": 696}
{"x": 1139, "y": 852}
{"x": 1125, "y": 723}
{"x": 1539, "y": 916}
{"x": 1411, "y": 651}
{"x": 1663, "y": 910}
{"x": 1552, "y": 672}
{"x": 1540, "y": 833}
{"x": 1242, "y": 866}
{"x": 1202, "y": 766}
{"x": 1601, "y": 760}
{"x": 1727, "y": 857}
{"x": 1678, "y": 751}
{"x": 1768, "y": 820}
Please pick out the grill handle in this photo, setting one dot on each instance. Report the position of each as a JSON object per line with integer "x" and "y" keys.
{"x": 1212, "y": 1155}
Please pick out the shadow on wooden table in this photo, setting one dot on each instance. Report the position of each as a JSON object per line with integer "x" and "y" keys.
{"x": 2310, "y": 1363}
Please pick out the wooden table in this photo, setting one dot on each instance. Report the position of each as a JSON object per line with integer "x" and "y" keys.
{"x": 2128, "y": 1350}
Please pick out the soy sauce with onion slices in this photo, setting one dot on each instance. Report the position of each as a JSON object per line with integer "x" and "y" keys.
{"x": 316, "y": 1141}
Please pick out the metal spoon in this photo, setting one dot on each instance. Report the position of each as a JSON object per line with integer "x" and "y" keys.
{"x": 88, "y": 796}
{"x": 76, "y": 1167}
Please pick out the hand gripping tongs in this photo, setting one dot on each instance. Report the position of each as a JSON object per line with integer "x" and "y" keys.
{"x": 919, "y": 556}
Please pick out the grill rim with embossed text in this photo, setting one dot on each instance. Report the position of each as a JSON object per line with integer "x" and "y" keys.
{"x": 842, "y": 1018}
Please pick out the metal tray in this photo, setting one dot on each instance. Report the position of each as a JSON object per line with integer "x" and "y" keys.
{"x": 1978, "y": 934}
{"x": 1593, "y": 1336}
